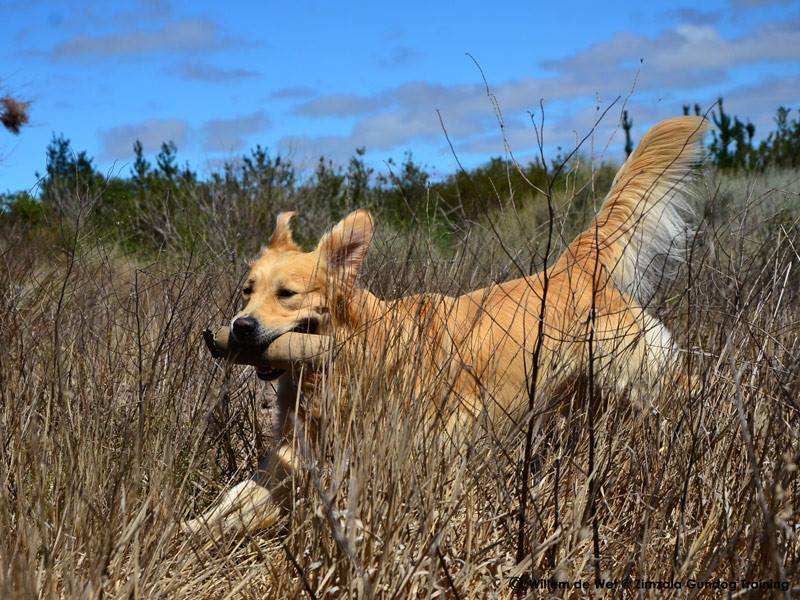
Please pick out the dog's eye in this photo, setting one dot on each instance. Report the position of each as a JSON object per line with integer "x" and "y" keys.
{"x": 286, "y": 293}
{"x": 247, "y": 290}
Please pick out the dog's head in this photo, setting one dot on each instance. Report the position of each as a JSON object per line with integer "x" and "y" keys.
{"x": 287, "y": 289}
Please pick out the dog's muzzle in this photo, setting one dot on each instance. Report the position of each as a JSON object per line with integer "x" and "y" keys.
{"x": 271, "y": 360}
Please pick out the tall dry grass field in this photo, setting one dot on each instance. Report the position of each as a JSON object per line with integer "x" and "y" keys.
{"x": 115, "y": 425}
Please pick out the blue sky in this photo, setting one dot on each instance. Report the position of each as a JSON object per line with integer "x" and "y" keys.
{"x": 311, "y": 78}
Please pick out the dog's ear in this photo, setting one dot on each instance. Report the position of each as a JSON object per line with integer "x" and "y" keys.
{"x": 282, "y": 236}
{"x": 344, "y": 247}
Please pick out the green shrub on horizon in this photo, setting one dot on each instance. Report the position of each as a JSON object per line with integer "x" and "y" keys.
{"x": 163, "y": 206}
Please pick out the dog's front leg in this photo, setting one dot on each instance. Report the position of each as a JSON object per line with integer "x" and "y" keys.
{"x": 263, "y": 499}
{"x": 254, "y": 504}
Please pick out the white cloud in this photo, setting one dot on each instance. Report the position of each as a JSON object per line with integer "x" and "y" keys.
{"x": 117, "y": 142}
{"x": 212, "y": 74}
{"x": 757, "y": 3}
{"x": 759, "y": 102}
{"x": 338, "y": 105}
{"x": 684, "y": 51}
{"x": 215, "y": 135}
{"x": 667, "y": 70}
{"x": 400, "y": 56}
{"x": 181, "y": 35}
{"x": 291, "y": 93}
{"x": 228, "y": 135}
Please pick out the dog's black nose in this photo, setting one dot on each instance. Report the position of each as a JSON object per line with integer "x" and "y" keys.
{"x": 245, "y": 326}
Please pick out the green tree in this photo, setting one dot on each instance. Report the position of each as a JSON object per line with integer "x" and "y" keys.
{"x": 70, "y": 182}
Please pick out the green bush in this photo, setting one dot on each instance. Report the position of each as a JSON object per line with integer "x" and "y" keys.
{"x": 165, "y": 206}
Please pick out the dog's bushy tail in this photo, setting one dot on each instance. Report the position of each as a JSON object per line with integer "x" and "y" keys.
{"x": 642, "y": 217}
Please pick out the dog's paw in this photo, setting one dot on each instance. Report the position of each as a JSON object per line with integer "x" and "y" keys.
{"x": 192, "y": 527}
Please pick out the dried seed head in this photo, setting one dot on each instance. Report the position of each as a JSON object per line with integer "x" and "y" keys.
{"x": 14, "y": 113}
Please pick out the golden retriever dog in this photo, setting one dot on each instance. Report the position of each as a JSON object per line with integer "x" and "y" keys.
{"x": 583, "y": 313}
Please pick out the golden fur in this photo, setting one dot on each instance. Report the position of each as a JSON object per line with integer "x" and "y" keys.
{"x": 480, "y": 345}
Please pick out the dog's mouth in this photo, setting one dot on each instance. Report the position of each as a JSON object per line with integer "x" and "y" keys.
{"x": 268, "y": 374}
{"x": 310, "y": 325}
{"x": 265, "y": 372}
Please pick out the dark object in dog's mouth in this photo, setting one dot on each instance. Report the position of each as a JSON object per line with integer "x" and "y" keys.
{"x": 268, "y": 374}
{"x": 263, "y": 372}
{"x": 299, "y": 346}
{"x": 208, "y": 338}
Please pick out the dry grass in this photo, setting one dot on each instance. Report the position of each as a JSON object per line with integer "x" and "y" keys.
{"x": 115, "y": 425}
{"x": 14, "y": 113}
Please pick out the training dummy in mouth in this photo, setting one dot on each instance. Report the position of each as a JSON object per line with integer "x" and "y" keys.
{"x": 290, "y": 349}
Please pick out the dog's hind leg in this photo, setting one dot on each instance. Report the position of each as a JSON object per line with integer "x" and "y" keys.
{"x": 635, "y": 354}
